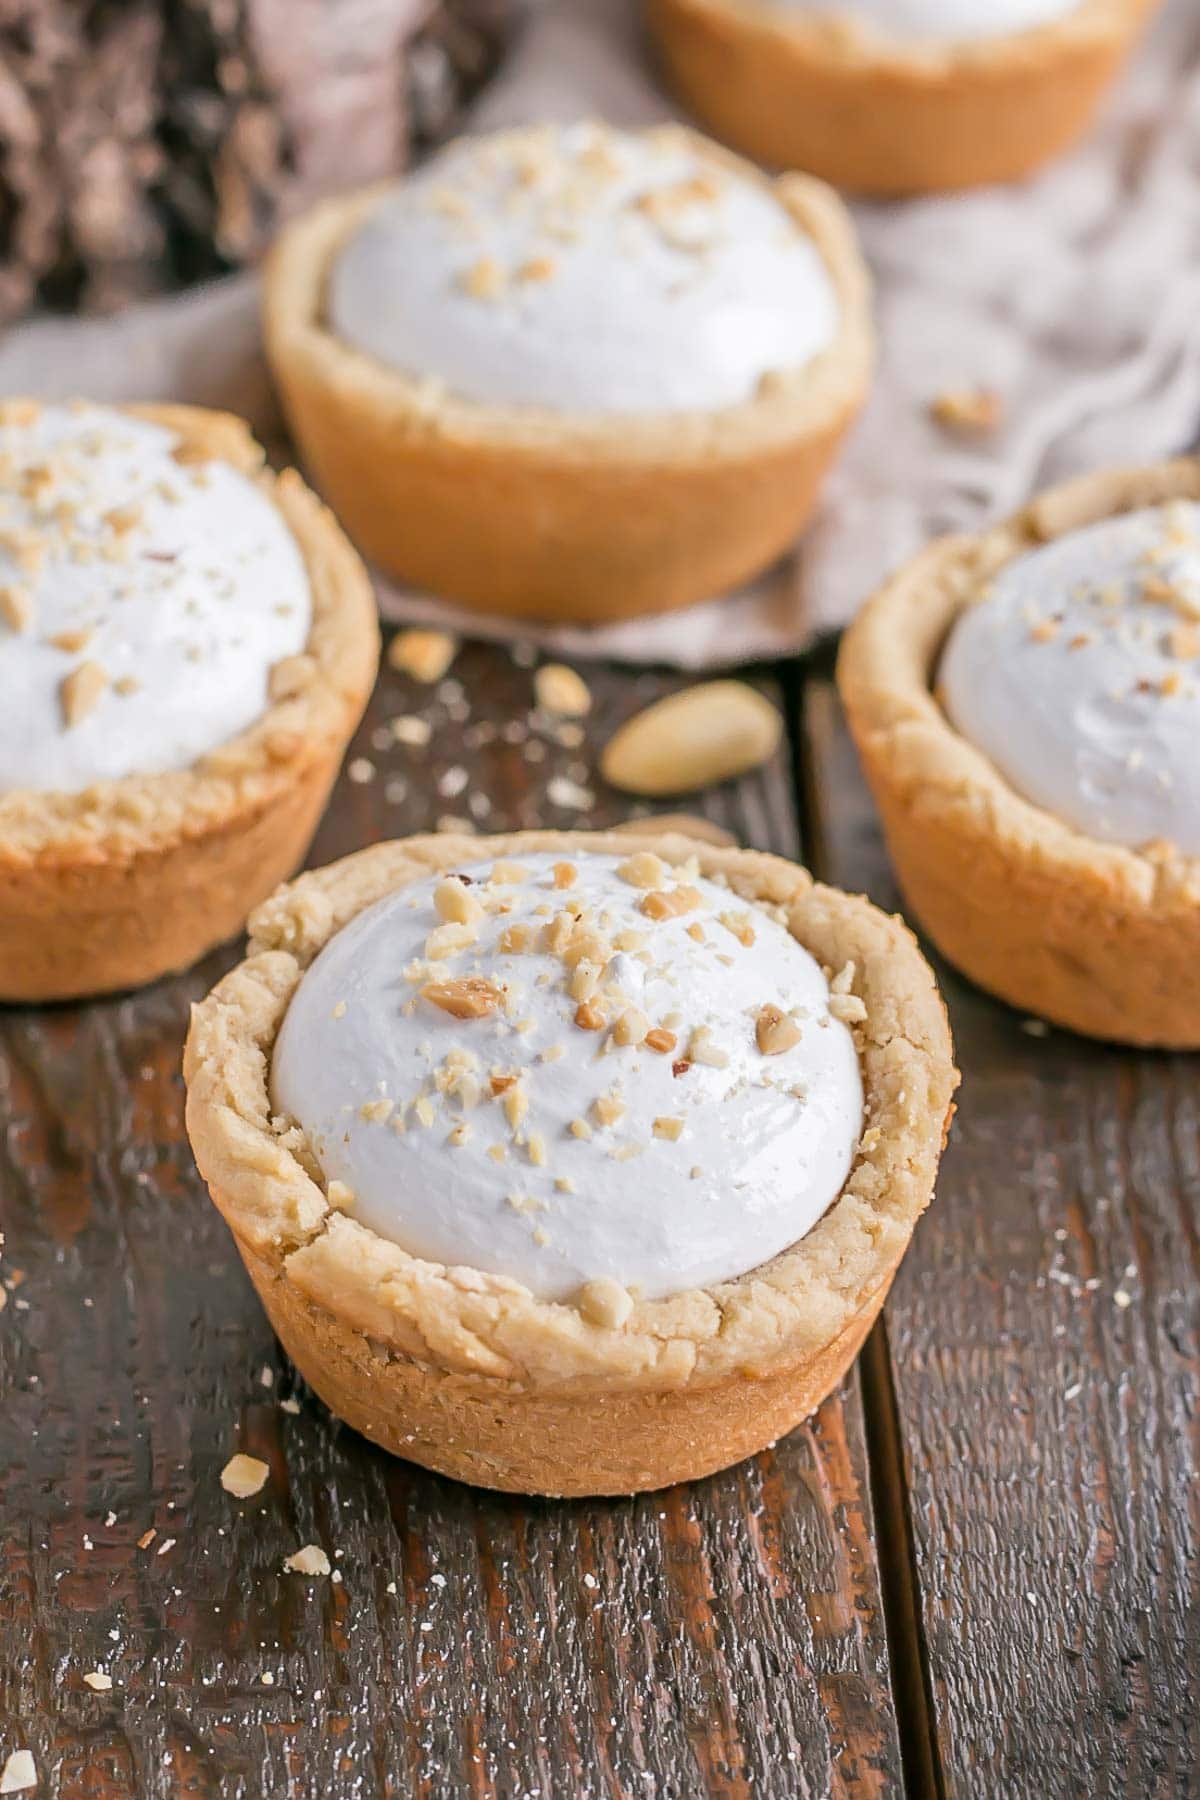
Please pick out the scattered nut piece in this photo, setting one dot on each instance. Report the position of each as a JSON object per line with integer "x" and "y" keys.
{"x": 243, "y": 1476}
{"x": 309, "y": 1560}
{"x": 17, "y": 608}
{"x": 425, "y": 655}
{"x": 740, "y": 926}
{"x": 468, "y": 997}
{"x": 609, "y": 1109}
{"x": 560, "y": 690}
{"x": 19, "y": 1773}
{"x": 455, "y": 903}
{"x": 664, "y": 903}
{"x": 605, "y": 1303}
{"x": 565, "y": 875}
{"x": 968, "y": 409}
{"x": 80, "y": 691}
{"x": 663, "y": 1042}
{"x": 484, "y": 280}
{"x": 449, "y": 940}
{"x": 631, "y": 1027}
{"x": 508, "y": 874}
{"x": 775, "y": 1032}
{"x": 589, "y": 1017}
{"x": 643, "y": 870}
{"x": 692, "y": 739}
{"x": 668, "y": 1128}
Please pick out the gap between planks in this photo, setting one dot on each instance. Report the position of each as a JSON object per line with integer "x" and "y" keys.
{"x": 809, "y": 697}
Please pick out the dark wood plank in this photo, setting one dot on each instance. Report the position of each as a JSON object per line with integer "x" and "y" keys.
{"x": 1044, "y": 1338}
{"x": 722, "y": 1639}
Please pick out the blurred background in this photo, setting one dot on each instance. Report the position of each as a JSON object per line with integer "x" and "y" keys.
{"x": 149, "y": 144}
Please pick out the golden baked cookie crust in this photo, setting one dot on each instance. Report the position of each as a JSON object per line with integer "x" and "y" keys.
{"x": 795, "y": 91}
{"x": 113, "y": 886}
{"x": 1102, "y": 939}
{"x": 469, "y": 1373}
{"x": 539, "y": 514}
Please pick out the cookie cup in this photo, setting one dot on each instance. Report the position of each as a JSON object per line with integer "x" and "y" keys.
{"x": 801, "y": 92}
{"x": 468, "y": 1373}
{"x": 127, "y": 880}
{"x": 1090, "y": 935}
{"x": 539, "y": 514}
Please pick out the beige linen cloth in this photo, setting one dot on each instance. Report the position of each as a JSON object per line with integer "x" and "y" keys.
{"x": 1075, "y": 295}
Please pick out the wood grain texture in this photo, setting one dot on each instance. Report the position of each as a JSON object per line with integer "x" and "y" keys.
{"x": 722, "y": 1639}
{"x": 1045, "y": 1356}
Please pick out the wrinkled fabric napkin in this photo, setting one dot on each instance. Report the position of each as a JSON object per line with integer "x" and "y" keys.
{"x": 1075, "y": 296}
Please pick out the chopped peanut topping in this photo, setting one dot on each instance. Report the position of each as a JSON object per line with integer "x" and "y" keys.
{"x": 668, "y": 1128}
{"x": 739, "y": 924}
{"x": 484, "y": 280}
{"x": 81, "y": 690}
{"x": 448, "y": 940}
{"x": 643, "y": 870}
{"x": 589, "y": 1017}
{"x": 631, "y": 1027}
{"x": 661, "y": 1041}
{"x": 516, "y": 939}
{"x": 516, "y": 1106}
{"x": 469, "y": 997}
{"x": 663, "y": 904}
{"x": 584, "y": 980}
{"x": 455, "y": 903}
{"x": 565, "y": 875}
{"x": 17, "y": 607}
{"x": 508, "y": 874}
{"x": 775, "y": 1032}
{"x": 609, "y": 1109}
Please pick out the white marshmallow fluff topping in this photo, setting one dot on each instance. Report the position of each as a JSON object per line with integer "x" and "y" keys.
{"x": 143, "y": 599}
{"x": 575, "y": 1069}
{"x": 939, "y": 21}
{"x": 1078, "y": 675}
{"x": 584, "y": 270}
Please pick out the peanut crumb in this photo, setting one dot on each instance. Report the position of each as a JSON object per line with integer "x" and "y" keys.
{"x": 484, "y": 280}
{"x": 17, "y": 607}
{"x": 589, "y": 1017}
{"x": 660, "y": 1041}
{"x": 80, "y": 691}
{"x": 631, "y": 1027}
{"x": 774, "y": 1032}
{"x": 309, "y": 1560}
{"x": 244, "y": 1476}
{"x": 968, "y": 409}
{"x": 643, "y": 870}
{"x": 425, "y": 655}
{"x": 455, "y": 903}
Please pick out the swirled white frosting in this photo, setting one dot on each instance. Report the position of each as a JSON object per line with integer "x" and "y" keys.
{"x": 584, "y": 270}
{"x": 143, "y": 600}
{"x": 939, "y": 21}
{"x": 1078, "y": 675}
{"x": 530, "y": 1145}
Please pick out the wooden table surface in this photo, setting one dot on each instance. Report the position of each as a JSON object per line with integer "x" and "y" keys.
{"x": 975, "y": 1572}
